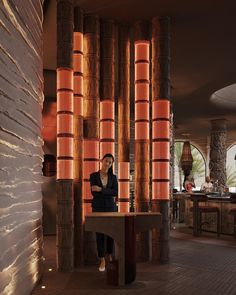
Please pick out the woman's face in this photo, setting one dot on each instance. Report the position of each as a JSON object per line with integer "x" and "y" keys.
{"x": 107, "y": 163}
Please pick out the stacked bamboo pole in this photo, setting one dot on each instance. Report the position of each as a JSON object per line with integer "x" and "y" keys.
{"x": 65, "y": 108}
{"x": 160, "y": 134}
{"x": 91, "y": 119}
{"x": 78, "y": 133}
{"x": 124, "y": 118}
{"x": 107, "y": 89}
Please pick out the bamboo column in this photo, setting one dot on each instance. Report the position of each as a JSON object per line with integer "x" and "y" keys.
{"x": 142, "y": 151}
{"x": 160, "y": 134}
{"x": 124, "y": 118}
{"x": 65, "y": 108}
{"x": 91, "y": 120}
{"x": 78, "y": 133}
{"x": 107, "y": 89}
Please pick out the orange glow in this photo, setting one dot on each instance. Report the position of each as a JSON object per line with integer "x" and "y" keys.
{"x": 142, "y": 71}
{"x": 107, "y": 110}
{"x": 141, "y": 130}
{"x": 160, "y": 170}
{"x": 64, "y": 169}
{"x": 123, "y": 170}
{"x": 65, "y": 101}
{"x": 107, "y": 148}
{"x": 64, "y": 78}
{"x": 160, "y": 190}
{"x": 142, "y": 111}
{"x": 160, "y": 109}
{"x": 142, "y": 50}
{"x": 123, "y": 206}
{"x": 87, "y": 208}
{"x": 160, "y": 129}
{"x": 107, "y": 130}
{"x": 64, "y": 123}
{"x": 161, "y": 150}
{"x": 141, "y": 91}
{"x": 78, "y": 106}
{"x": 87, "y": 190}
{"x": 91, "y": 148}
{"x": 65, "y": 146}
{"x": 78, "y": 62}
{"x": 78, "y": 41}
{"x": 78, "y": 87}
{"x": 124, "y": 189}
{"x": 90, "y": 167}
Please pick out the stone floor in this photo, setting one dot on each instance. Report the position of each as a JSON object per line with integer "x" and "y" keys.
{"x": 198, "y": 266}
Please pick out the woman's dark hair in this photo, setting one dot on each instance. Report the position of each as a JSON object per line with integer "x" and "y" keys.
{"x": 110, "y": 170}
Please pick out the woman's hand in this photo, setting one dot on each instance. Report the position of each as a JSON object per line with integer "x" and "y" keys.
{"x": 96, "y": 188}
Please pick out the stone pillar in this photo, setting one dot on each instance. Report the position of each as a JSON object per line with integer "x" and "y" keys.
{"x": 218, "y": 151}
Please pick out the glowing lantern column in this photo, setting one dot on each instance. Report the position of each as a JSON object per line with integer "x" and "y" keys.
{"x": 161, "y": 135}
{"x": 107, "y": 89}
{"x": 65, "y": 204}
{"x": 142, "y": 125}
{"x": 124, "y": 119}
{"x": 78, "y": 133}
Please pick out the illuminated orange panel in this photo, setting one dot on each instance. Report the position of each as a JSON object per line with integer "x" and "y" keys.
{"x": 142, "y": 130}
{"x": 91, "y": 148}
{"x": 65, "y": 146}
{"x": 64, "y": 123}
{"x": 64, "y": 169}
{"x": 64, "y": 78}
{"x": 78, "y": 85}
{"x": 107, "y": 129}
{"x": 90, "y": 167}
{"x": 160, "y": 190}
{"x": 78, "y": 62}
{"x": 123, "y": 189}
{"x": 87, "y": 190}
{"x": 160, "y": 170}
{"x": 78, "y": 105}
{"x": 87, "y": 208}
{"x": 142, "y": 111}
{"x": 160, "y": 129}
{"x": 107, "y": 148}
{"x": 161, "y": 109}
{"x": 161, "y": 150}
{"x": 107, "y": 110}
{"x": 141, "y": 91}
{"x": 123, "y": 206}
{"x": 142, "y": 50}
{"x": 65, "y": 101}
{"x": 78, "y": 41}
{"x": 142, "y": 71}
{"x": 123, "y": 170}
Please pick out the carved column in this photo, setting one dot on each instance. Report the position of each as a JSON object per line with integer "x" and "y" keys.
{"x": 142, "y": 124}
{"x": 78, "y": 133}
{"x": 124, "y": 118}
{"x": 161, "y": 134}
{"x": 65, "y": 109}
{"x": 218, "y": 151}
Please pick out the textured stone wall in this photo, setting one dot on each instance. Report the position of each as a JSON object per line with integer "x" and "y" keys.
{"x": 218, "y": 151}
{"x": 21, "y": 100}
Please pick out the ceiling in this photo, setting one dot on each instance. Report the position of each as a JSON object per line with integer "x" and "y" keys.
{"x": 203, "y": 50}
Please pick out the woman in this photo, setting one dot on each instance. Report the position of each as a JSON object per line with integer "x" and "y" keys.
{"x": 104, "y": 188}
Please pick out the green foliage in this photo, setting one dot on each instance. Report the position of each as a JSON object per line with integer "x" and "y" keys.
{"x": 230, "y": 176}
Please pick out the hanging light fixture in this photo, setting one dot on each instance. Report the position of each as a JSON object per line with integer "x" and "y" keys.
{"x": 186, "y": 158}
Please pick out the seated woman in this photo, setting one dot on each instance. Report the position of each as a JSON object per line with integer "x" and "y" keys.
{"x": 189, "y": 184}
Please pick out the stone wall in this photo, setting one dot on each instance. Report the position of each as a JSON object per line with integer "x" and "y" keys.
{"x": 21, "y": 97}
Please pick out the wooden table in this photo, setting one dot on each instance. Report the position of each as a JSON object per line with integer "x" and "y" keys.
{"x": 123, "y": 227}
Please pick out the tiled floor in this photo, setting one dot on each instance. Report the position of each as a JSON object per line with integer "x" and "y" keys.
{"x": 198, "y": 266}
